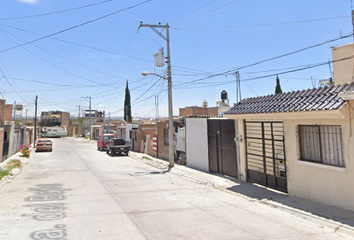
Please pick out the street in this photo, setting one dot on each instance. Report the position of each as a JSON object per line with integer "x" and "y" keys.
{"x": 77, "y": 192}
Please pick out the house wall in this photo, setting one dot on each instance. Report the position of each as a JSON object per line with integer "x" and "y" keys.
{"x": 321, "y": 183}
{"x": 2, "y": 112}
{"x": 343, "y": 70}
{"x": 326, "y": 184}
{"x": 8, "y": 112}
{"x": 197, "y": 143}
{"x": 211, "y": 111}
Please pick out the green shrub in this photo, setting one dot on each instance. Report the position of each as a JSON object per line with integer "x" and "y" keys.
{"x": 3, "y": 173}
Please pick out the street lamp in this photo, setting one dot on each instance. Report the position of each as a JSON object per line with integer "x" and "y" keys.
{"x": 170, "y": 117}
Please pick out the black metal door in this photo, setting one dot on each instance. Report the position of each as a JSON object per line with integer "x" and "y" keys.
{"x": 222, "y": 147}
{"x": 265, "y": 154}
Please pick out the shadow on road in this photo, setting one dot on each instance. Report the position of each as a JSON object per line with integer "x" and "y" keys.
{"x": 318, "y": 209}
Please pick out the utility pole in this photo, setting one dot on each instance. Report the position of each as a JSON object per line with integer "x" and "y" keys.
{"x": 89, "y": 99}
{"x": 78, "y": 122}
{"x": 238, "y": 87}
{"x": 169, "y": 81}
{"x": 14, "y": 112}
{"x": 26, "y": 116}
{"x": 35, "y": 122}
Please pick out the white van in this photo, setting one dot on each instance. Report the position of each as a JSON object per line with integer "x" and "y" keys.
{"x": 54, "y": 132}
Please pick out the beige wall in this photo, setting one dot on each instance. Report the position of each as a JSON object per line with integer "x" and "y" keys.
{"x": 343, "y": 70}
{"x": 321, "y": 183}
{"x": 327, "y": 184}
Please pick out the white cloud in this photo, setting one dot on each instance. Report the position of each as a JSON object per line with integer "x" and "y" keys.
{"x": 29, "y": 1}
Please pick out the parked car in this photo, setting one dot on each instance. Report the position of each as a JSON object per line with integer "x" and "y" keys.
{"x": 102, "y": 141}
{"x": 117, "y": 145}
{"x": 44, "y": 145}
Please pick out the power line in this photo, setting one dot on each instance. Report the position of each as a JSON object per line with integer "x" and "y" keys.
{"x": 232, "y": 70}
{"x": 194, "y": 10}
{"x": 77, "y": 44}
{"x": 213, "y": 10}
{"x": 7, "y": 80}
{"x": 56, "y": 12}
{"x": 264, "y": 24}
{"x": 76, "y": 26}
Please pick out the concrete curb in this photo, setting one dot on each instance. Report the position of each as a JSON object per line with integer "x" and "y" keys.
{"x": 218, "y": 182}
{"x": 329, "y": 223}
{"x": 5, "y": 181}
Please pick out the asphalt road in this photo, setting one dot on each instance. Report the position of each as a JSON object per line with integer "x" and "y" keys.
{"x": 77, "y": 192}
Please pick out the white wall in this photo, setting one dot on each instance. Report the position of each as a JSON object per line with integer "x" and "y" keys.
{"x": 197, "y": 143}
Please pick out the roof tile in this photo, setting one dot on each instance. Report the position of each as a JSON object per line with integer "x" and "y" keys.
{"x": 324, "y": 98}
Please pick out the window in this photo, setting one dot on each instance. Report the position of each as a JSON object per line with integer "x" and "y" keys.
{"x": 165, "y": 134}
{"x": 321, "y": 144}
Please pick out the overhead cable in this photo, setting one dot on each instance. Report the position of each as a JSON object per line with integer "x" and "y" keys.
{"x": 76, "y": 26}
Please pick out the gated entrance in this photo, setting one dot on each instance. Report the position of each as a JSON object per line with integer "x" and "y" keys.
{"x": 265, "y": 154}
{"x": 222, "y": 147}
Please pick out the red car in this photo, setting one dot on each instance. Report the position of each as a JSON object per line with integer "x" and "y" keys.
{"x": 102, "y": 141}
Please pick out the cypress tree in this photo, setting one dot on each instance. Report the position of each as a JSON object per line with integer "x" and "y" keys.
{"x": 278, "y": 87}
{"x": 127, "y": 106}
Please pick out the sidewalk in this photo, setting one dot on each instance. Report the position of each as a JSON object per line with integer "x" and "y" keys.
{"x": 333, "y": 217}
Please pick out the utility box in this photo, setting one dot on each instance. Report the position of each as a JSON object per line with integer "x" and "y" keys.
{"x": 160, "y": 58}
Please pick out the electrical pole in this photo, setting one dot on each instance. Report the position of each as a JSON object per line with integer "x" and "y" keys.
{"x": 35, "y": 122}
{"x": 26, "y": 116}
{"x": 89, "y": 99}
{"x": 169, "y": 81}
{"x": 15, "y": 112}
{"x": 238, "y": 87}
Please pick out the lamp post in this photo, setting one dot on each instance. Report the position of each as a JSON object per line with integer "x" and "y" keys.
{"x": 171, "y": 151}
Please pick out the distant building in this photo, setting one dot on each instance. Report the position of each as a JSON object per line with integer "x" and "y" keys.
{"x": 55, "y": 118}
{"x": 205, "y": 110}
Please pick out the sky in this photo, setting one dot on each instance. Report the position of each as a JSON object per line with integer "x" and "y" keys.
{"x": 67, "y": 51}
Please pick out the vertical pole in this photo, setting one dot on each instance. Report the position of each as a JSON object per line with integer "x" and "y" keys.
{"x": 170, "y": 110}
{"x": 78, "y": 124}
{"x": 90, "y": 117}
{"x": 35, "y": 122}
{"x": 26, "y": 116}
{"x": 14, "y": 112}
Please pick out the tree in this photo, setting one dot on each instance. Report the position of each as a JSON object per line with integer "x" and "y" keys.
{"x": 127, "y": 106}
{"x": 278, "y": 87}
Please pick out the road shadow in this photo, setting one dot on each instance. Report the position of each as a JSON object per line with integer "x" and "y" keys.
{"x": 264, "y": 194}
{"x": 154, "y": 172}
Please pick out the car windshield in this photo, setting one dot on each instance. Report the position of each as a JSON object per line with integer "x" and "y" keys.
{"x": 106, "y": 138}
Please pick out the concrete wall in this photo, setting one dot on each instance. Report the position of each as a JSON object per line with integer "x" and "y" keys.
{"x": 197, "y": 143}
{"x": 343, "y": 70}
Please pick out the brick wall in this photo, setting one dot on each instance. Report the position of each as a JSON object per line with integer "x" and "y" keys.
{"x": 8, "y": 112}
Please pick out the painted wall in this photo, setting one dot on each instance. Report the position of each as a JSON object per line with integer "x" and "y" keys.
{"x": 343, "y": 70}
{"x": 321, "y": 183}
{"x": 197, "y": 143}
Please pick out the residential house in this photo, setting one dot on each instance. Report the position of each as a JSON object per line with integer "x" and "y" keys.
{"x": 299, "y": 142}
{"x": 55, "y": 118}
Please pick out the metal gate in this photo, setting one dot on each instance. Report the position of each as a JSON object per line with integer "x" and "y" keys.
{"x": 265, "y": 154}
{"x": 222, "y": 147}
